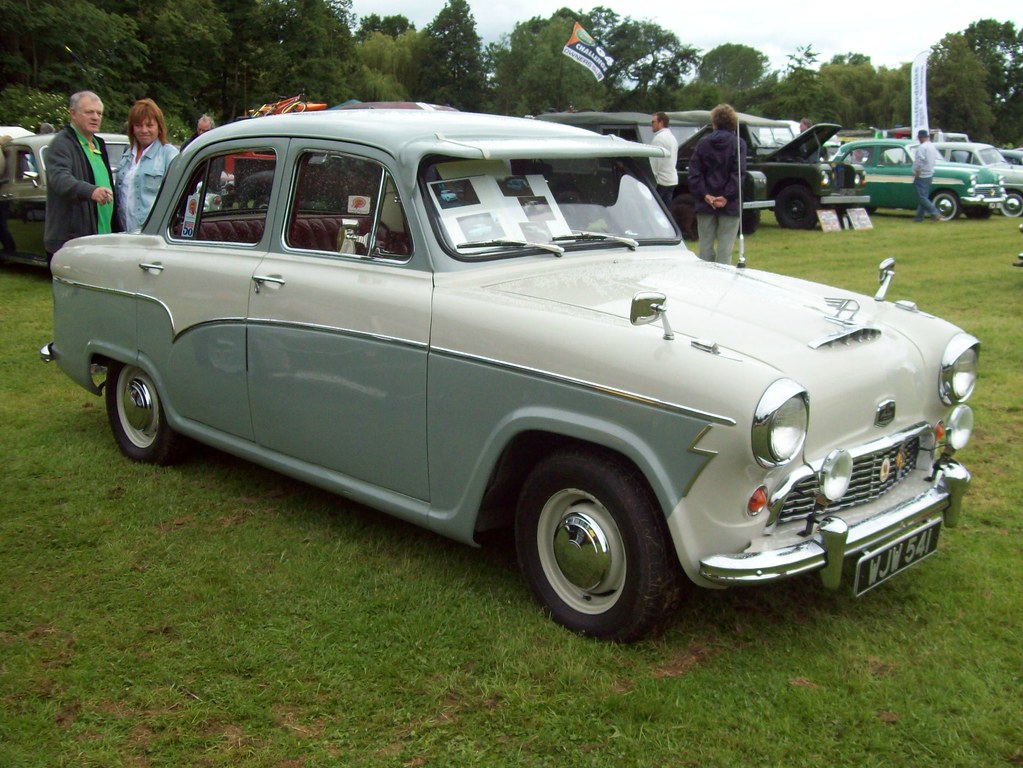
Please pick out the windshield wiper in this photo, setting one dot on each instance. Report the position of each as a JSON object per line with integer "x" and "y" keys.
{"x": 557, "y": 250}
{"x": 583, "y": 235}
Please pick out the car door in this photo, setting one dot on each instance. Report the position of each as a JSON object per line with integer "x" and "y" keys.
{"x": 339, "y": 324}
{"x": 196, "y": 280}
{"x": 24, "y": 191}
{"x": 890, "y": 178}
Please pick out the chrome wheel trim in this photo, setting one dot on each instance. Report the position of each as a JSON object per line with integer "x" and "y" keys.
{"x": 581, "y": 551}
{"x": 138, "y": 407}
{"x": 1013, "y": 206}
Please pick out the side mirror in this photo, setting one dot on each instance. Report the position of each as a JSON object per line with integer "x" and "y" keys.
{"x": 648, "y": 308}
{"x": 885, "y": 273}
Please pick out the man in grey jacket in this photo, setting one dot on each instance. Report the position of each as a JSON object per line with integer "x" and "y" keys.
{"x": 924, "y": 160}
{"x": 79, "y": 182}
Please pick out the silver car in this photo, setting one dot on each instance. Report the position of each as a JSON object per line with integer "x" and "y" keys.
{"x": 473, "y": 322}
{"x": 974, "y": 153}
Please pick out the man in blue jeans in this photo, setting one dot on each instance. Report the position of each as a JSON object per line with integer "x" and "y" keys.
{"x": 923, "y": 172}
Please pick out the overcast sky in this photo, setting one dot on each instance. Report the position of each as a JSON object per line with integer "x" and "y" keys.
{"x": 890, "y": 33}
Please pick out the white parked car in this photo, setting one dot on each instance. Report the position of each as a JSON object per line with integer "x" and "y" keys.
{"x": 470, "y": 322}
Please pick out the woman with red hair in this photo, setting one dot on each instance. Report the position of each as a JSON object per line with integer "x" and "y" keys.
{"x": 143, "y": 164}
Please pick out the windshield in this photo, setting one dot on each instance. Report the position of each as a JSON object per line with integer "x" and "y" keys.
{"x": 990, "y": 156}
{"x": 767, "y": 137}
{"x": 504, "y": 208}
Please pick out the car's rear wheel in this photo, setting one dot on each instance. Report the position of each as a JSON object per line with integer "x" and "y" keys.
{"x": 136, "y": 416}
{"x": 795, "y": 208}
{"x": 948, "y": 204}
{"x": 1013, "y": 205}
{"x": 594, "y": 547}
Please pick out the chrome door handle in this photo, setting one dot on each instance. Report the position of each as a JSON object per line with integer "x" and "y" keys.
{"x": 260, "y": 279}
{"x": 151, "y": 267}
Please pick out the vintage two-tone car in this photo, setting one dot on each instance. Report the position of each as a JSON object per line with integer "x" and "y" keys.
{"x": 470, "y": 322}
{"x": 986, "y": 156}
{"x": 956, "y": 188}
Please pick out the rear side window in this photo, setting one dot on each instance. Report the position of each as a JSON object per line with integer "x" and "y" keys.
{"x": 349, "y": 205}
{"x": 227, "y": 199}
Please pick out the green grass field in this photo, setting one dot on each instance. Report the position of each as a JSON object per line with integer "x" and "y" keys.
{"x": 217, "y": 614}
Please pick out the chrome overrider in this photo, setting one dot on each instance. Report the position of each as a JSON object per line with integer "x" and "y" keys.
{"x": 833, "y": 539}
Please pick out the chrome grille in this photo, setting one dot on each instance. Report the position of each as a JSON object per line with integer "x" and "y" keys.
{"x": 987, "y": 190}
{"x": 866, "y": 484}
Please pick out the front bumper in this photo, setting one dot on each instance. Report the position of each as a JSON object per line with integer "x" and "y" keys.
{"x": 863, "y": 200}
{"x": 834, "y": 539}
{"x": 991, "y": 201}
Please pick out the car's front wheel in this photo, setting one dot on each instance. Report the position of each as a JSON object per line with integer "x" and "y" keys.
{"x": 795, "y": 208}
{"x": 1013, "y": 205}
{"x": 948, "y": 205}
{"x": 136, "y": 416}
{"x": 594, "y": 547}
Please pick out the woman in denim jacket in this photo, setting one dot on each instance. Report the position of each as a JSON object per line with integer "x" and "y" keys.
{"x": 143, "y": 164}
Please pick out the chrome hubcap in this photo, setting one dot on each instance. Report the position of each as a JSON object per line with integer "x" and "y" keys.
{"x": 581, "y": 551}
{"x": 139, "y": 408}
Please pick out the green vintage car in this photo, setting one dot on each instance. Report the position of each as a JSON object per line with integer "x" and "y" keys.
{"x": 957, "y": 188}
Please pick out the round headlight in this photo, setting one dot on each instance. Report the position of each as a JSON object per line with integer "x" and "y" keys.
{"x": 779, "y": 423}
{"x": 835, "y": 475}
{"x": 960, "y": 427}
{"x": 958, "y": 369}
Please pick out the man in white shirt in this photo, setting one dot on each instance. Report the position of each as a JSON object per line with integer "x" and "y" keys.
{"x": 665, "y": 173}
{"x": 924, "y": 160}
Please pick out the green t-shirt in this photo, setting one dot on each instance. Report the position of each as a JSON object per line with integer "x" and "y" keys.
{"x": 105, "y": 212}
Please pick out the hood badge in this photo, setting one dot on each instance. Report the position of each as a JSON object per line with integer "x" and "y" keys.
{"x": 885, "y": 413}
{"x": 845, "y": 310}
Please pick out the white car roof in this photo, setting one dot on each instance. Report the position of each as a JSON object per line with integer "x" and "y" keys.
{"x": 412, "y": 134}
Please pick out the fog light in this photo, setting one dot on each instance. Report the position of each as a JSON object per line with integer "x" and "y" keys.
{"x": 757, "y": 502}
{"x": 835, "y": 475}
{"x": 960, "y": 427}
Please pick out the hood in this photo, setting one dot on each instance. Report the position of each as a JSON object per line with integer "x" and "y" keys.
{"x": 803, "y": 147}
{"x": 757, "y": 314}
{"x": 735, "y": 332}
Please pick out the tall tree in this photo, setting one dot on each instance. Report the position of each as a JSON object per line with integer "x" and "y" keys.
{"x": 455, "y": 73}
{"x": 800, "y": 93}
{"x": 999, "y": 46}
{"x": 852, "y": 84}
{"x": 530, "y": 74}
{"x": 389, "y": 67}
{"x": 650, "y": 61}
{"x": 392, "y": 26}
{"x": 313, "y": 53}
{"x": 733, "y": 68}
{"x": 957, "y": 97}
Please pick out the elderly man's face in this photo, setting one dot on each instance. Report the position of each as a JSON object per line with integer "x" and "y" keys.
{"x": 87, "y": 116}
{"x": 202, "y": 126}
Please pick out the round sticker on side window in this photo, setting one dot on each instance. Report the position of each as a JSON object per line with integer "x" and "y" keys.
{"x": 358, "y": 204}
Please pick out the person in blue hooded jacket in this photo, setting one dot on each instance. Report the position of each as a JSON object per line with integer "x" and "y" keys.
{"x": 715, "y": 169}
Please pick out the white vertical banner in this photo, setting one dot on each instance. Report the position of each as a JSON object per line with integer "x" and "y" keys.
{"x": 918, "y": 93}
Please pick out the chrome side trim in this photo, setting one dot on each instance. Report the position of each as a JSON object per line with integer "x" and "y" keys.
{"x": 548, "y": 375}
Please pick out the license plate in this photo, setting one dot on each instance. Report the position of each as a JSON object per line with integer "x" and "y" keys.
{"x": 877, "y": 566}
